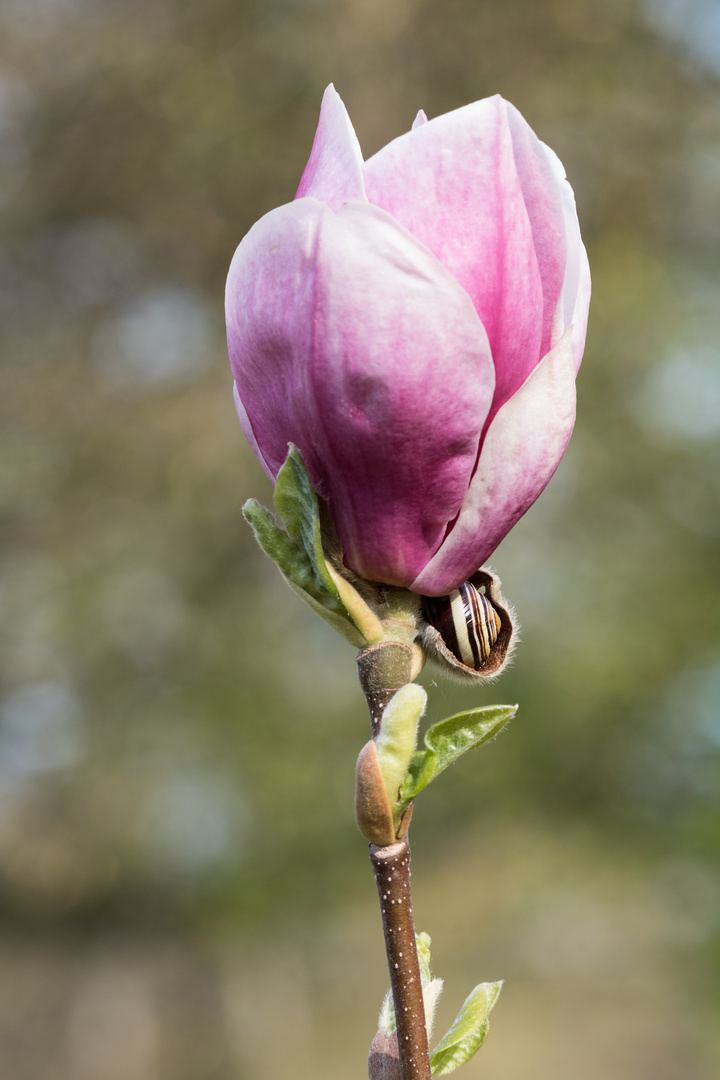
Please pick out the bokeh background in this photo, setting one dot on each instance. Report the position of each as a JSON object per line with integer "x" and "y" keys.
{"x": 183, "y": 893}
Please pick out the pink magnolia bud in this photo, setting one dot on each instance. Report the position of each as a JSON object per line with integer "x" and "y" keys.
{"x": 414, "y": 324}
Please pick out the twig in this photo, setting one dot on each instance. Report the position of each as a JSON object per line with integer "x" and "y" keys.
{"x": 392, "y": 875}
{"x": 382, "y": 670}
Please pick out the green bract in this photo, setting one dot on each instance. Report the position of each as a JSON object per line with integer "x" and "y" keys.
{"x": 397, "y": 740}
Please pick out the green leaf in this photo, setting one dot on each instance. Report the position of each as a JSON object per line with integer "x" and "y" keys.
{"x": 344, "y": 626}
{"x": 298, "y": 570}
{"x": 297, "y": 504}
{"x": 298, "y": 551}
{"x": 448, "y": 739}
{"x": 469, "y": 1031}
{"x": 275, "y": 542}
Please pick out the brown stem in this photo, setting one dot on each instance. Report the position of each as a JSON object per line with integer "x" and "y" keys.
{"x": 392, "y": 876}
{"x": 382, "y": 670}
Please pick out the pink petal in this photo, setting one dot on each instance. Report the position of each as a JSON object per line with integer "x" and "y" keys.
{"x": 580, "y": 309}
{"x": 334, "y": 173}
{"x": 249, "y": 433}
{"x": 544, "y": 187}
{"x": 419, "y": 120}
{"x": 522, "y": 448}
{"x": 349, "y": 338}
{"x": 479, "y": 188}
{"x": 574, "y": 299}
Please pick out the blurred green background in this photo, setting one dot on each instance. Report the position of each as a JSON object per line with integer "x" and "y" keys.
{"x": 183, "y": 893}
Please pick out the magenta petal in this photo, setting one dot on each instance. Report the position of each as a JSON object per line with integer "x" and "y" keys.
{"x": 350, "y": 339}
{"x": 334, "y": 173}
{"x": 250, "y": 434}
{"x": 459, "y": 183}
{"x": 522, "y": 449}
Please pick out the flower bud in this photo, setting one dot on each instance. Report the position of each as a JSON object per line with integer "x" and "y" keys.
{"x": 414, "y": 324}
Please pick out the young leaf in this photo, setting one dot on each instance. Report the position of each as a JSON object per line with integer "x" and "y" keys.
{"x": 298, "y": 570}
{"x": 297, "y": 504}
{"x": 448, "y": 739}
{"x": 469, "y": 1031}
{"x": 293, "y": 561}
{"x": 299, "y": 508}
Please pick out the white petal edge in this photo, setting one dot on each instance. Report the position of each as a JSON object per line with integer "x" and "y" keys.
{"x": 419, "y": 120}
{"x": 574, "y": 299}
{"x": 522, "y": 449}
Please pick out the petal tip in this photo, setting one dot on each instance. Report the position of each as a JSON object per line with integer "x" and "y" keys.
{"x": 334, "y": 172}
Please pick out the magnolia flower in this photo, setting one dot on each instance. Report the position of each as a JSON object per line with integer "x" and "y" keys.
{"x": 414, "y": 324}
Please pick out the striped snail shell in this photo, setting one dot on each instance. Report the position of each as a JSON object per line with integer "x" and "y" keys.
{"x": 466, "y": 621}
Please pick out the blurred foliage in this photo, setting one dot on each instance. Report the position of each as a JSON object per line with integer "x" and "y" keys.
{"x": 179, "y": 865}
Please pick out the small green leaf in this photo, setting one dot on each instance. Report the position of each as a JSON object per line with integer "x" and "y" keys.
{"x": 298, "y": 570}
{"x": 344, "y": 626}
{"x": 448, "y": 739}
{"x": 275, "y": 542}
{"x": 297, "y": 504}
{"x": 298, "y": 551}
{"x": 469, "y": 1031}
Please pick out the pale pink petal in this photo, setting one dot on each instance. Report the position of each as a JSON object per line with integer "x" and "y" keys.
{"x": 459, "y": 183}
{"x": 544, "y": 189}
{"x": 350, "y": 339}
{"x": 580, "y": 310}
{"x": 522, "y": 448}
{"x": 574, "y": 298}
{"x": 334, "y": 173}
{"x": 419, "y": 120}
